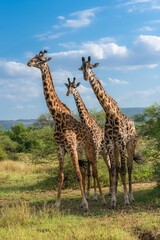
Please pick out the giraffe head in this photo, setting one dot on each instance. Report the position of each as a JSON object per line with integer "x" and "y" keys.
{"x": 71, "y": 86}
{"x": 39, "y": 60}
{"x": 87, "y": 67}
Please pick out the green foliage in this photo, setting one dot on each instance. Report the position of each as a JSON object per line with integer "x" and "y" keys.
{"x": 3, "y": 154}
{"x": 7, "y": 146}
{"x": 149, "y": 123}
{"x": 42, "y": 141}
{"x": 38, "y": 141}
{"x": 19, "y": 134}
{"x": 43, "y": 121}
{"x": 99, "y": 116}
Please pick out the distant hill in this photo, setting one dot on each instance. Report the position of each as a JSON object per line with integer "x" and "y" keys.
{"x": 130, "y": 112}
{"x": 7, "y": 124}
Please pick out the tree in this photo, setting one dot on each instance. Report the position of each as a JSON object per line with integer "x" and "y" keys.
{"x": 149, "y": 123}
{"x": 19, "y": 134}
{"x": 7, "y": 146}
{"x": 98, "y": 116}
{"x": 43, "y": 121}
{"x": 42, "y": 141}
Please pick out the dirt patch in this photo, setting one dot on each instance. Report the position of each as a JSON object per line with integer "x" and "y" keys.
{"x": 149, "y": 236}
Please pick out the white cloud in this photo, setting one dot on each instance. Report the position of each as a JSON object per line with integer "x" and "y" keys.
{"x": 101, "y": 49}
{"x": 150, "y": 42}
{"x": 75, "y": 20}
{"x": 84, "y": 90}
{"x": 146, "y": 29}
{"x": 104, "y": 48}
{"x": 140, "y": 98}
{"x": 22, "y": 89}
{"x": 141, "y": 5}
{"x": 156, "y": 21}
{"x": 117, "y": 81}
{"x": 68, "y": 45}
{"x": 49, "y": 35}
{"x": 16, "y": 69}
{"x": 136, "y": 67}
{"x": 144, "y": 53}
{"x": 61, "y": 17}
{"x": 156, "y": 7}
{"x": 67, "y": 53}
{"x": 137, "y": 2}
{"x": 18, "y": 82}
{"x": 79, "y": 19}
{"x": 19, "y": 107}
{"x": 60, "y": 76}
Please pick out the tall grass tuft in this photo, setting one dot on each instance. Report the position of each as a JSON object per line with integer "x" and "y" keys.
{"x": 13, "y": 166}
{"x": 19, "y": 214}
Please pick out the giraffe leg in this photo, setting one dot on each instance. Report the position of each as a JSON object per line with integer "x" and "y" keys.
{"x": 113, "y": 185}
{"x": 130, "y": 150}
{"x": 74, "y": 157}
{"x": 131, "y": 197}
{"x": 83, "y": 173}
{"x": 117, "y": 157}
{"x": 88, "y": 179}
{"x": 95, "y": 196}
{"x": 61, "y": 154}
{"x": 108, "y": 164}
{"x": 123, "y": 174}
{"x": 95, "y": 175}
{"x": 92, "y": 157}
{"x": 112, "y": 176}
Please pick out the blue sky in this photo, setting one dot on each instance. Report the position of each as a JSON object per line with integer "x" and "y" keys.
{"x": 123, "y": 36}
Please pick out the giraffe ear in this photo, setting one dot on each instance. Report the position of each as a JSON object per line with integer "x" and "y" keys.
{"x": 66, "y": 85}
{"x": 81, "y": 68}
{"x": 95, "y": 65}
{"x": 48, "y": 59}
{"x": 78, "y": 84}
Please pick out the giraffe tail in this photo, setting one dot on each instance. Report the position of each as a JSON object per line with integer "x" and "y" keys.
{"x": 83, "y": 163}
{"x": 138, "y": 158}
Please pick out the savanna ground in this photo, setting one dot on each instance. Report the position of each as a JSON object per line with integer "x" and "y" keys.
{"x": 27, "y": 197}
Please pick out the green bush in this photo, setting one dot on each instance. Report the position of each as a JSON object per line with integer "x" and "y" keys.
{"x": 3, "y": 154}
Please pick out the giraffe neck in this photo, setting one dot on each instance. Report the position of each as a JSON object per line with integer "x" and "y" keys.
{"x": 53, "y": 102}
{"x": 83, "y": 112}
{"x": 107, "y": 102}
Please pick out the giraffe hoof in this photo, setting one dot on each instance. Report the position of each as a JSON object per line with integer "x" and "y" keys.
{"x": 131, "y": 198}
{"x": 87, "y": 196}
{"x": 86, "y": 211}
{"x": 84, "y": 206}
{"x": 113, "y": 205}
{"x": 95, "y": 199}
{"x": 104, "y": 203}
{"x": 109, "y": 194}
{"x": 57, "y": 205}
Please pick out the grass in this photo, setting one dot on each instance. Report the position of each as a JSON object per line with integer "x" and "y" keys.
{"x": 27, "y": 196}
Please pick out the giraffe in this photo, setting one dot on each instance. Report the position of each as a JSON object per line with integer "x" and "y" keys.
{"x": 69, "y": 133}
{"x": 120, "y": 134}
{"x": 96, "y": 131}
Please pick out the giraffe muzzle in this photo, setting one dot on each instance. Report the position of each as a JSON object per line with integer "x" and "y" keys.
{"x": 86, "y": 77}
{"x": 29, "y": 64}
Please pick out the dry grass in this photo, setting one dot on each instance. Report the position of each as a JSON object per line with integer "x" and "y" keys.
{"x": 13, "y": 166}
{"x": 27, "y": 198}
